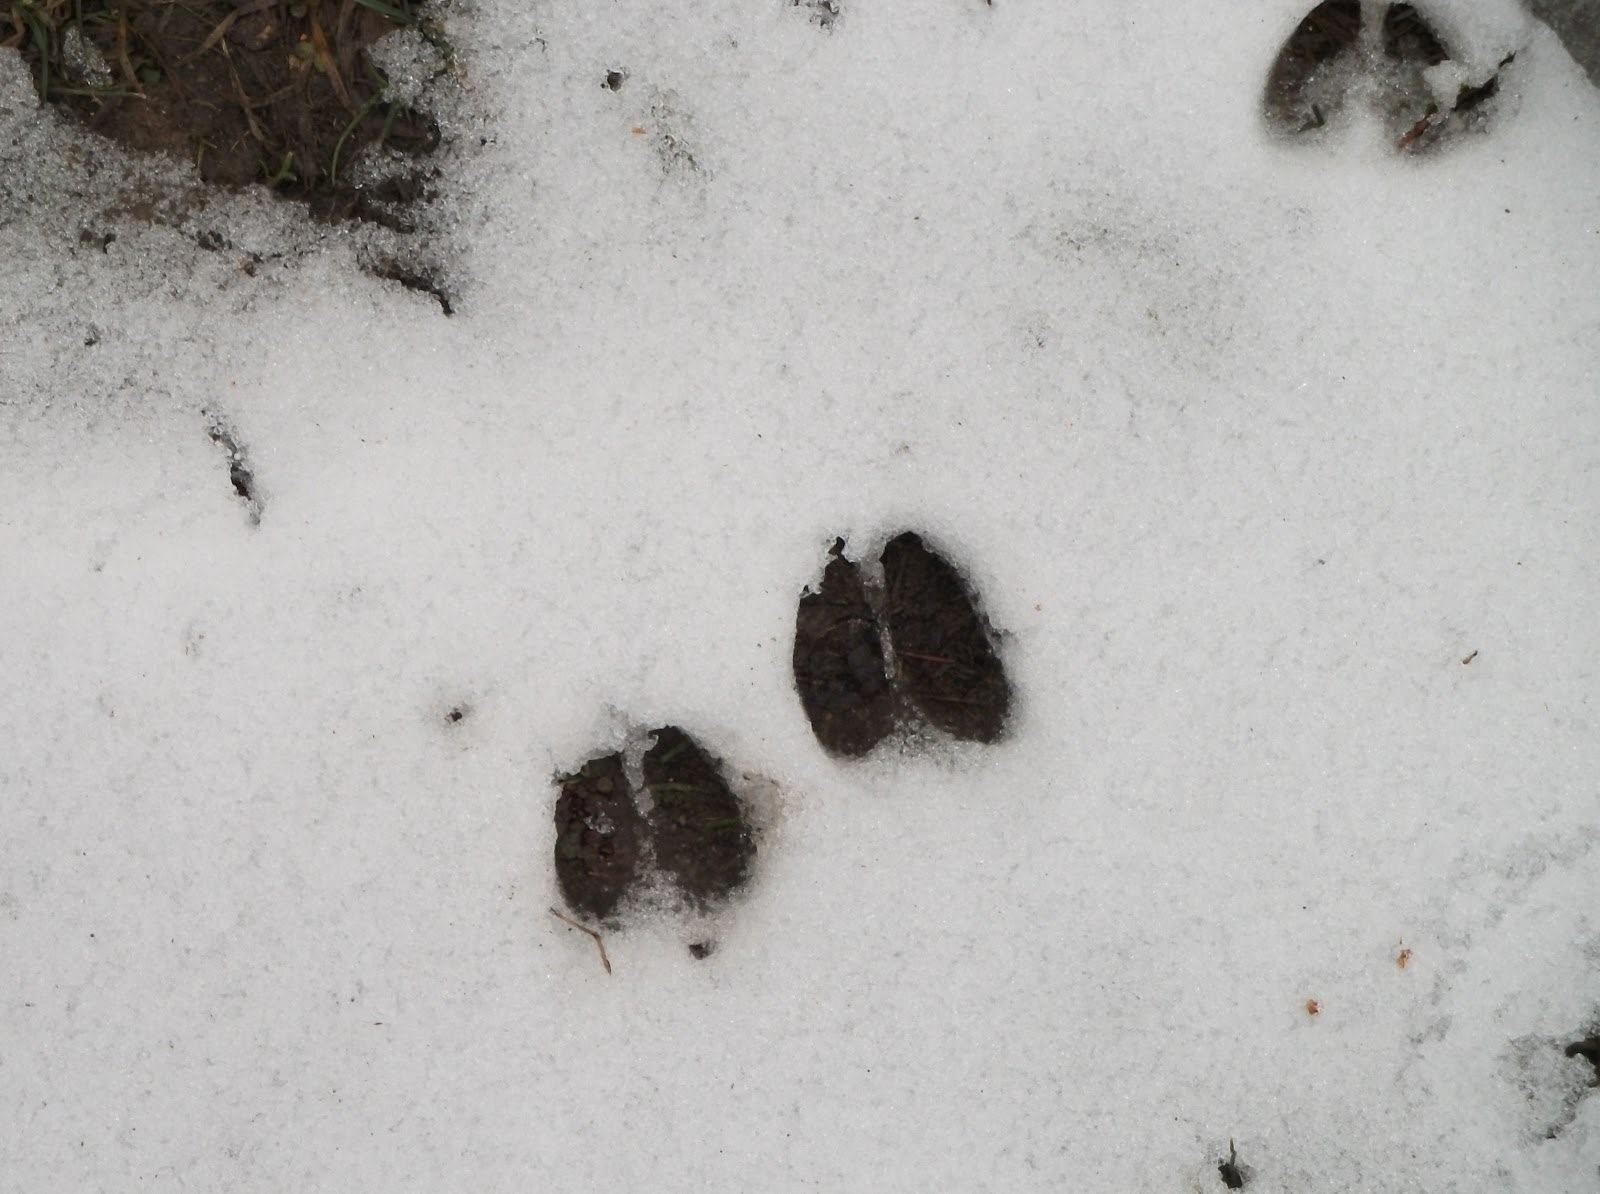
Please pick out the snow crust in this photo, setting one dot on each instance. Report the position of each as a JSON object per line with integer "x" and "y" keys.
{"x": 1248, "y": 447}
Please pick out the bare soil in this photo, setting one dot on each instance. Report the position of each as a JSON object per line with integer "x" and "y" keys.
{"x": 248, "y": 91}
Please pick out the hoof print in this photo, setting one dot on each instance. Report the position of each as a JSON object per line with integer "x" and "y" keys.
{"x": 1419, "y": 92}
{"x": 701, "y": 834}
{"x": 839, "y": 667}
{"x": 946, "y": 663}
{"x": 939, "y": 667}
{"x": 599, "y": 834}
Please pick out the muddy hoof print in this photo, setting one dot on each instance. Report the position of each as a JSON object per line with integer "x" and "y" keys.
{"x": 940, "y": 668}
{"x": 1418, "y": 90}
{"x": 696, "y": 839}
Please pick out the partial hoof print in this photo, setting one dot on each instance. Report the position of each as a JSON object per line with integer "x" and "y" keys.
{"x": 599, "y": 837}
{"x": 943, "y": 650}
{"x": 1418, "y": 90}
{"x": 839, "y": 666}
{"x": 699, "y": 829}
{"x": 1309, "y": 79}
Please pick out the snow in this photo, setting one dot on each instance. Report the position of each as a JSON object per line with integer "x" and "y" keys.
{"x": 1247, "y": 447}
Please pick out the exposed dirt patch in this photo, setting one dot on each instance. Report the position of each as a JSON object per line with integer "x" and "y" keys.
{"x": 599, "y": 837}
{"x": 248, "y": 91}
{"x": 698, "y": 826}
{"x": 839, "y": 668}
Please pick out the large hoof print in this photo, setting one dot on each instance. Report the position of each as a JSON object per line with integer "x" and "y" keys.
{"x": 599, "y": 837}
{"x": 839, "y": 668}
{"x": 698, "y": 826}
{"x": 946, "y": 662}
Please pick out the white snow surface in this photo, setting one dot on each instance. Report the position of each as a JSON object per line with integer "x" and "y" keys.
{"x": 1246, "y": 446}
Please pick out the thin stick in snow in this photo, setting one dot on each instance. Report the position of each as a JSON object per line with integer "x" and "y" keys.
{"x": 583, "y": 928}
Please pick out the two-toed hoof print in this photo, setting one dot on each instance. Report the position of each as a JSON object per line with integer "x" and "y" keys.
{"x": 912, "y": 647}
{"x": 1417, "y": 89}
{"x": 695, "y": 834}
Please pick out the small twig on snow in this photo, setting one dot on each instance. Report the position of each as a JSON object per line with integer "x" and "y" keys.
{"x": 583, "y": 928}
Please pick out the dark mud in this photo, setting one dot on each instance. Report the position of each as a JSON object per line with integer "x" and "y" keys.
{"x": 944, "y": 655}
{"x": 599, "y": 837}
{"x": 698, "y": 827}
{"x": 839, "y": 666}
{"x": 247, "y": 91}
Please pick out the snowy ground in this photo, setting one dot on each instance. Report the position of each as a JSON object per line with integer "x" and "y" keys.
{"x": 1247, "y": 447}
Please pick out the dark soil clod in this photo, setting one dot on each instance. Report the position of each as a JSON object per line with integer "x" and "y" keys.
{"x": 701, "y": 833}
{"x": 599, "y": 836}
{"x": 700, "y": 950}
{"x": 615, "y": 79}
{"x": 1297, "y": 98}
{"x": 946, "y": 662}
{"x": 839, "y": 668}
{"x": 248, "y": 91}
